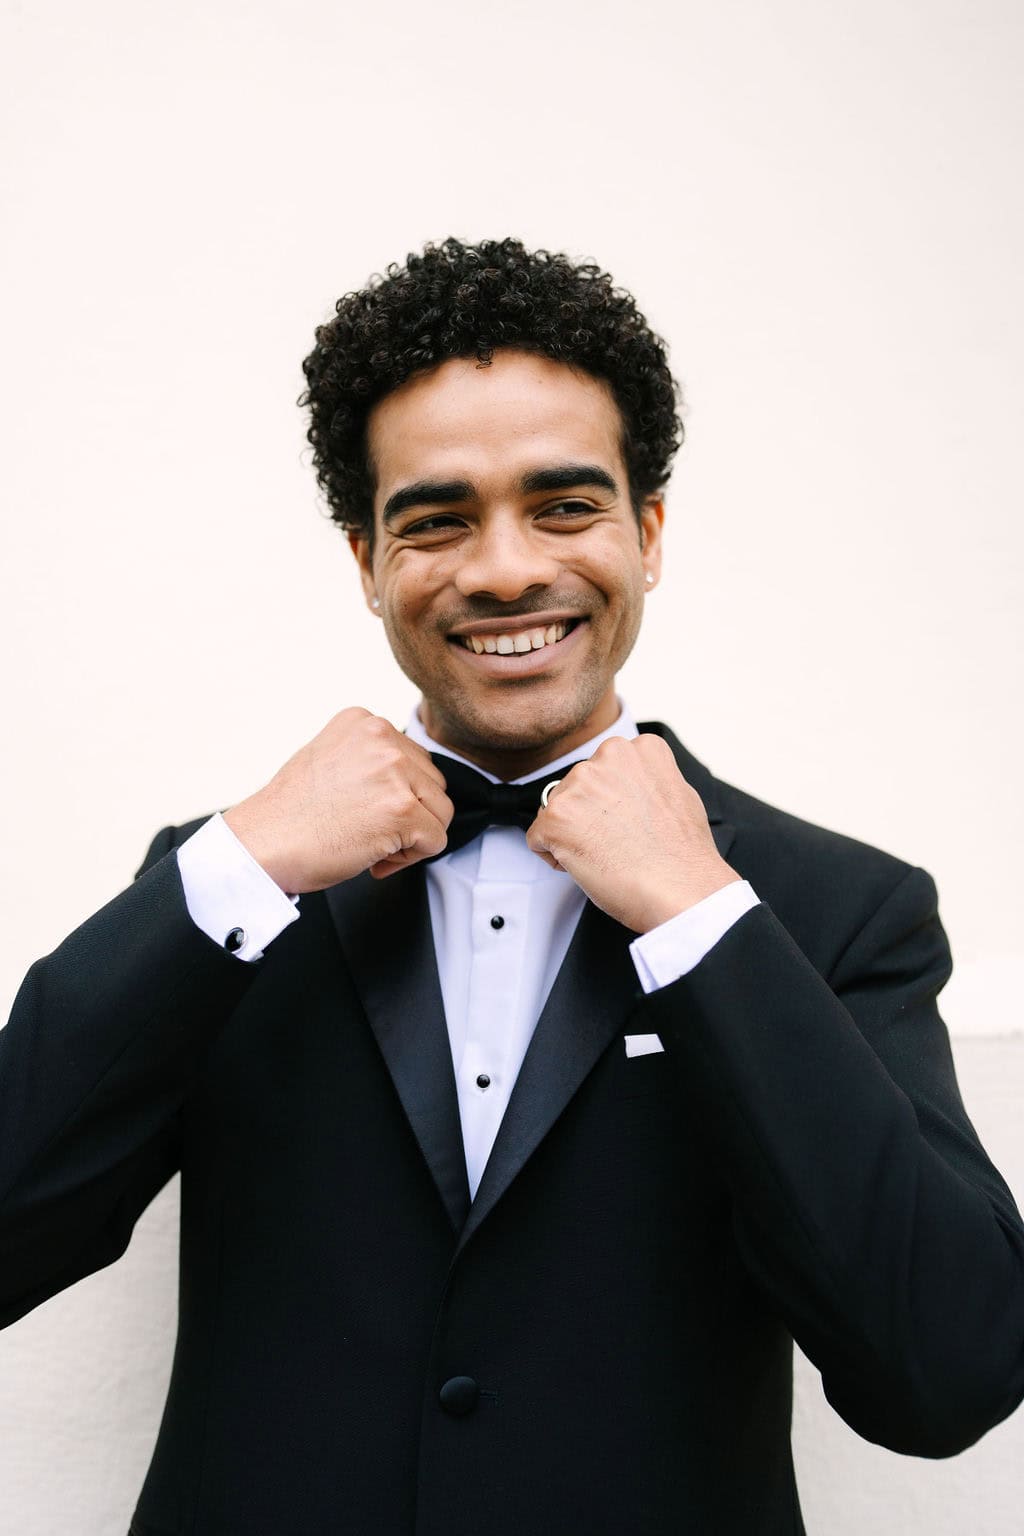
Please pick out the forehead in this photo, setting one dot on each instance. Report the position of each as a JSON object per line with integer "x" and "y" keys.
{"x": 490, "y": 424}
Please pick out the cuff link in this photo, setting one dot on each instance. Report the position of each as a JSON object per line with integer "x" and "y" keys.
{"x": 235, "y": 940}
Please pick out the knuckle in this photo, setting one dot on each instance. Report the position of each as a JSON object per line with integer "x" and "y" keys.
{"x": 436, "y": 840}
{"x": 395, "y": 804}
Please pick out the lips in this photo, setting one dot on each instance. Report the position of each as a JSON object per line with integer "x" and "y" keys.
{"x": 515, "y": 640}
{"x": 518, "y": 649}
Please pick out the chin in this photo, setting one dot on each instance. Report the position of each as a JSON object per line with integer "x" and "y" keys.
{"x": 527, "y": 727}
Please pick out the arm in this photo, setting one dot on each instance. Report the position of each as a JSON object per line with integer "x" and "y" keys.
{"x": 95, "y": 1062}
{"x": 863, "y": 1203}
{"x": 108, "y": 1033}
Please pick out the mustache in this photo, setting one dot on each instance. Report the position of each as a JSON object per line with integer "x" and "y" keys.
{"x": 484, "y": 608}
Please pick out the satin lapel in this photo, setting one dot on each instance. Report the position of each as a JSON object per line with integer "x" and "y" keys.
{"x": 385, "y": 932}
{"x": 593, "y": 994}
{"x": 594, "y": 991}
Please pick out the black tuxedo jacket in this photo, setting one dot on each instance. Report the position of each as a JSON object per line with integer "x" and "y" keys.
{"x": 600, "y": 1342}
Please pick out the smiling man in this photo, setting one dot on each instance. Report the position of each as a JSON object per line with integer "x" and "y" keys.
{"x": 532, "y": 1089}
{"x": 523, "y": 515}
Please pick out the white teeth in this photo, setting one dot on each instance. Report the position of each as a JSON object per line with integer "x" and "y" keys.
{"x": 515, "y": 644}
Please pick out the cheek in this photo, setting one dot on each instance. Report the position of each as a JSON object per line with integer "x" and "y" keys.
{"x": 415, "y": 581}
{"x": 619, "y": 576}
{"x": 409, "y": 606}
{"x": 615, "y": 558}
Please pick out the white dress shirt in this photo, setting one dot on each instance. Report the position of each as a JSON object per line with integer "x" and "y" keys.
{"x": 502, "y": 921}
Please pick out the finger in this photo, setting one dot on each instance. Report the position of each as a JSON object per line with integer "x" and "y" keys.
{"x": 434, "y": 800}
{"x": 422, "y": 836}
{"x": 385, "y": 867}
{"x": 549, "y": 792}
{"x": 569, "y": 778}
{"x": 423, "y": 761}
{"x": 536, "y": 840}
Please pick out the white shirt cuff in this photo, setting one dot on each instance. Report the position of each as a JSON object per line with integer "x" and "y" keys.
{"x": 673, "y": 948}
{"x": 228, "y": 894}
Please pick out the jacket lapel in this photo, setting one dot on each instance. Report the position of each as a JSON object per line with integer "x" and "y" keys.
{"x": 594, "y": 992}
{"x": 385, "y": 932}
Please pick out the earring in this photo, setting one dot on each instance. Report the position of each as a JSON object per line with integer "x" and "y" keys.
{"x": 375, "y": 603}
{"x": 649, "y": 579}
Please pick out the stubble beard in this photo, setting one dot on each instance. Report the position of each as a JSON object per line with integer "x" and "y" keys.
{"x": 535, "y": 725}
{"x": 459, "y": 718}
{"x": 478, "y": 727}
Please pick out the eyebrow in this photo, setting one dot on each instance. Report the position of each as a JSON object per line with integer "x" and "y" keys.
{"x": 437, "y": 493}
{"x": 427, "y": 493}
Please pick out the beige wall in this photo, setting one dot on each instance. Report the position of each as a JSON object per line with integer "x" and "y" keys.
{"x": 818, "y": 205}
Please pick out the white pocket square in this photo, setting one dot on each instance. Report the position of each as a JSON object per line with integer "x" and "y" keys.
{"x": 643, "y": 1045}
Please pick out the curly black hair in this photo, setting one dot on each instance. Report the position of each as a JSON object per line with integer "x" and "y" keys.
{"x": 459, "y": 300}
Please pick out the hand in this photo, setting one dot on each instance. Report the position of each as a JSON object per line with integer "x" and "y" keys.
{"x": 358, "y": 796}
{"x": 633, "y": 834}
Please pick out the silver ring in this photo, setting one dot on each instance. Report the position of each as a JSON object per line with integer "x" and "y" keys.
{"x": 545, "y": 792}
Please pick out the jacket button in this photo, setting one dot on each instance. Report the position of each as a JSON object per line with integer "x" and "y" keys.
{"x": 459, "y": 1395}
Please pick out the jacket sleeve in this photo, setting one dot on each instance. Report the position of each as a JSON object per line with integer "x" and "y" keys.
{"x": 104, "y": 1038}
{"x": 863, "y": 1202}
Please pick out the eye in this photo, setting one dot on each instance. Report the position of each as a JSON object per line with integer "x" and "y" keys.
{"x": 439, "y": 523}
{"x": 566, "y": 510}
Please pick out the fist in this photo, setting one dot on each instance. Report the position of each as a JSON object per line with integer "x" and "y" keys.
{"x": 632, "y": 833}
{"x": 358, "y": 796}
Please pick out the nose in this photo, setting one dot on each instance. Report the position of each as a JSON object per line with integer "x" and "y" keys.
{"x": 504, "y": 560}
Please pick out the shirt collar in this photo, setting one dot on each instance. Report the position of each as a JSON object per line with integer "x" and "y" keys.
{"x": 624, "y": 726}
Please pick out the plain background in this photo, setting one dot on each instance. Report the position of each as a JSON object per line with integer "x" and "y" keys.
{"x": 818, "y": 205}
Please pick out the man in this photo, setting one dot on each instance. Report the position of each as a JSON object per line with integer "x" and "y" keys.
{"x": 521, "y": 1129}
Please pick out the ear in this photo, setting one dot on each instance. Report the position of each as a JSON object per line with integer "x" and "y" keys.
{"x": 360, "y": 548}
{"x": 652, "y": 518}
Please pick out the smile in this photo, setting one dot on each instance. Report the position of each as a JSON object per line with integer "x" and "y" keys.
{"x": 522, "y": 650}
{"x": 517, "y": 641}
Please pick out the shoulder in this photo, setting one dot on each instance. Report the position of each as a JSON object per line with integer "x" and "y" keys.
{"x": 791, "y": 844}
{"x": 824, "y": 886}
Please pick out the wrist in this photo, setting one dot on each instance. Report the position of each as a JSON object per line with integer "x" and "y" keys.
{"x": 672, "y": 899}
{"x": 254, "y": 831}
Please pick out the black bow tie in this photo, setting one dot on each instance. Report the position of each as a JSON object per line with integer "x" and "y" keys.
{"x": 479, "y": 804}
